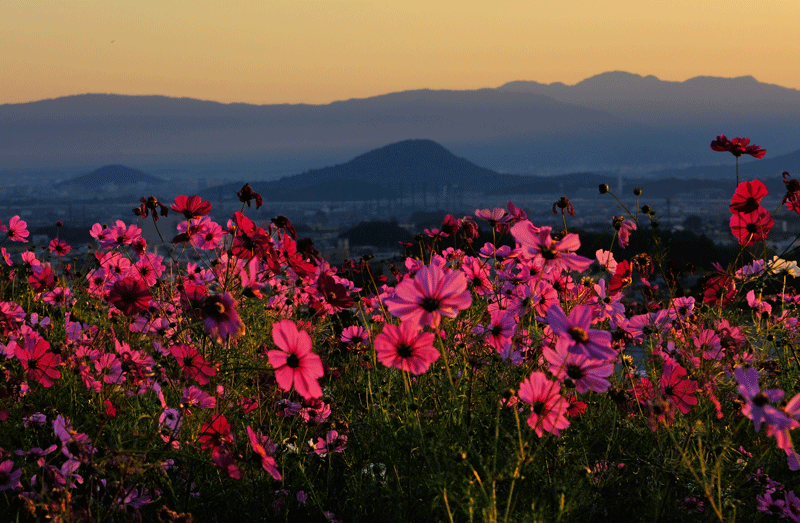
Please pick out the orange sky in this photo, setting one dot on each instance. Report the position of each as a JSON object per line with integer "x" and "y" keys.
{"x": 318, "y": 51}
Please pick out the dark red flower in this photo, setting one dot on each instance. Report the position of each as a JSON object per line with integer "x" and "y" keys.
{"x": 720, "y": 290}
{"x": 247, "y": 193}
{"x": 622, "y": 277}
{"x": 334, "y": 293}
{"x": 216, "y": 433}
{"x": 192, "y": 296}
{"x": 191, "y": 207}
{"x": 282, "y": 222}
{"x": 250, "y": 240}
{"x": 149, "y": 204}
{"x": 42, "y": 278}
{"x": 130, "y": 295}
{"x": 751, "y": 227}
{"x": 565, "y": 205}
{"x": 792, "y": 188}
{"x": 737, "y": 147}
{"x": 748, "y": 196}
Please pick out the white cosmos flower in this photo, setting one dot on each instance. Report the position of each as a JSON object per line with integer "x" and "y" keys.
{"x": 781, "y": 266}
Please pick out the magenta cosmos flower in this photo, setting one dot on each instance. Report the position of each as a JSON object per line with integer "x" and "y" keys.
{"x": 548, "y": 407}
{"x": 17, "y": 230}
{"x": 431, "y": 294}
{"x": 551, "y": 256}
{"x": 751, "y": 227}
{"x": 294, "y": 363}
{"x": 748, "y": 196}
{"x": 191, "y": 207}
{"x": 406, "y": 348}
{"x": 39, "y": 363}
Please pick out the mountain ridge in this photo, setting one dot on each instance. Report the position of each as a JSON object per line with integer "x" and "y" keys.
{"x": 615, "y": 120}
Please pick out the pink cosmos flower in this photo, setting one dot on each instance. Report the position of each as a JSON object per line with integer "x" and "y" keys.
{"x": 264, "y": 449}
{"x": 120, "y": 235}
{"x": 677, "y": 389}
{"x": 549, "y": 408}
{"x": 551, "y": 256}
{"x": 191, "y": 207}
{"x": 192, "y": 363}
{"x": 719, "y": 290}
{"x": 575, "y": 333}
{"x": 39, "y": 363}
{"x": 17, "y": 230}
{"x": 110, "y": 367}
{"x": 497, "y": 217}
{"x": 708, "y": 342}
{"x": 501, "y": 328}
{"x": 431, "y": 294}
{"x": 606, "y": 260}
{"x": 42, "y": 278}
{"x": 209, "y": 236}
{"x": 406, "y": 347}
{"x": 757, "y": 402}
{"x": 355, "y": 335}
{"x": 624, "y": 232}
{"x": 586, "y": 373}
{"x": 59, "y": 247}
{"x": 194, "y": 396}
{"x": 332, "y": 444}
{"x": 294, "y": 363}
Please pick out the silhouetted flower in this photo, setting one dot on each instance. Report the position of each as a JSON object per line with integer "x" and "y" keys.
{"x": 737, "y": 147}
{"x": 247, "y": 193}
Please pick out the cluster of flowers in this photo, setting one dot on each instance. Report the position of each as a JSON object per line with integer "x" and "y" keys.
{"x": 531, "y": 304}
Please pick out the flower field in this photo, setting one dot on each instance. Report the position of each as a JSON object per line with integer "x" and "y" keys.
{"x": 230, "y": 373}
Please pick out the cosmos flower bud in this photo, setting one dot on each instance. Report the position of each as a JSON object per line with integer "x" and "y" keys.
{"x": 603, "y": 188}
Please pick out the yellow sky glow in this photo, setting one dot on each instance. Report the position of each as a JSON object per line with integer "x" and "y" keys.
{"x": 318, "y": 51}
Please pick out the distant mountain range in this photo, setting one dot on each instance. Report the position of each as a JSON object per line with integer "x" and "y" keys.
{"x": 111, "y": 176}
{"x": 613, "y": 121}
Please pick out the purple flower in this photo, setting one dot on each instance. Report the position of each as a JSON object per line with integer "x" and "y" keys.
{"x": 757, "y": 402}
{"x": 220, "y": 317}
{"x": 9, "y": 479}
{"x": 574, "y": 333}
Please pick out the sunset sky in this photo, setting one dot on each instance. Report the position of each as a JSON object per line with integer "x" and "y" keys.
{"x": 318, "y": 51}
